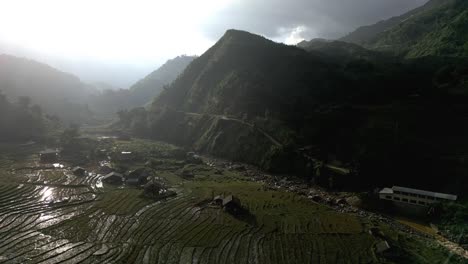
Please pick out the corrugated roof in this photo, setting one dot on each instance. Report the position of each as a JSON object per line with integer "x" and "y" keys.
{"x": 427, "y": 193}
{"x": 116, "y": 174}
{"x": 386, "y": 191}
{"x": 49, "y": 151}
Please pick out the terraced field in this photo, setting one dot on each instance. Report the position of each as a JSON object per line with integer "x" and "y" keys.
{"x": 51, "y": 216}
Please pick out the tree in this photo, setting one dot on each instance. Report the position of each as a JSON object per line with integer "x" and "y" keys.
{"x": 68, "y": 137}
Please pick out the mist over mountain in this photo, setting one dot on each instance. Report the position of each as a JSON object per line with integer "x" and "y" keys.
{"x": 153, "y": 84}
{"x": 110, "y": 101}
{"x": 57, "y": 93}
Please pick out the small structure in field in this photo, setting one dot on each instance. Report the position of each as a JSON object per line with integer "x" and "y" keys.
{"x": 78, "y": 171}
{"x": 48, "y": 156}
{"x": 382, "y": 246}
{"x": 228, "y": 203}
{"x": 137, "y": 177}
{"x": 193, "y": 158}
{"x": 231, "y": 204}
{"x": 409, "y": 196}
{"x": 218, "y": 200}
{"x": 105, "y": 169}
{"x": 124, "y": 156}
{"x": 113, "y": 178}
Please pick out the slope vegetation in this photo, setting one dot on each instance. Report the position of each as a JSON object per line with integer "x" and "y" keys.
{"x": 438, "y": 28}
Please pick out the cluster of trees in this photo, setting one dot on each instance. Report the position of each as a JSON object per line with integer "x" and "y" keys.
{"x": 20, "y": 120}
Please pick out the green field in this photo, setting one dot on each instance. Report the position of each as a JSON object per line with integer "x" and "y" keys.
{"x": 51, "y": 216}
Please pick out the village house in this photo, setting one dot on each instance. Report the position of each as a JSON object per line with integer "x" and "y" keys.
{"x": 137, "y": 177}
{"x": 124, "y": 156}
{"x": 229, "y": 203}
{"x": 78, "y": 171}
{"x": 218, "y": 200}
{"x": 192, "y": 158}
{"x": 48, "y": 156}
{"x": 105, "y": 169}
{"x": 408, "y": 196}
{"x": 113, "y": 178}
{"x": 382, "y": 246}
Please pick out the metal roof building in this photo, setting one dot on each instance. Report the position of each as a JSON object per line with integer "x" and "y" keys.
{"x": 406, "y": 195}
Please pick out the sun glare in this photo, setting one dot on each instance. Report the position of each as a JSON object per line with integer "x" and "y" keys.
{"x": 107, "y": 29}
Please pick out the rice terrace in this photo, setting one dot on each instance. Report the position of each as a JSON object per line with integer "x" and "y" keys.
{"x": 50, "y": 215}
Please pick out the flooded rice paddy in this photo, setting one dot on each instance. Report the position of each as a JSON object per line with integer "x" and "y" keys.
{"x": 52, "y": 216}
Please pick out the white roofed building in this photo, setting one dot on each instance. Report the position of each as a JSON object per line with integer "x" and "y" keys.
{"x": 414, "y": 196}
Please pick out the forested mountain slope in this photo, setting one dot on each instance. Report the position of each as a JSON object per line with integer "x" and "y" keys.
{"x": 400, "y": 120}
{"x": 439, "y": 28}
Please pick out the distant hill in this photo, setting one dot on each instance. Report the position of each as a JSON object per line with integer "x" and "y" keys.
{"x": 56, "y": 92}
{"x": 253, "y": 100}
{"x": 143, "y": 92}
{"x": 152, "y": 85}
{"x": 439, "y": 28}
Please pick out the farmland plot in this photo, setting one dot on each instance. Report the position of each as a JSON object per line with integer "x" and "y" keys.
{"x": 51, "y": 216}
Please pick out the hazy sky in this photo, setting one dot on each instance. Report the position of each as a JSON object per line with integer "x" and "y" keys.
{"x": 119, "y": 41}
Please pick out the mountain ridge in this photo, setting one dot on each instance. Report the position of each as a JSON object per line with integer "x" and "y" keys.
{"x": 439, "y": 28}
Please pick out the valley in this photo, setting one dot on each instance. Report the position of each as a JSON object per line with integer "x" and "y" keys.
{"x": 50, "y": 215}
{"x": 269, "y": 146}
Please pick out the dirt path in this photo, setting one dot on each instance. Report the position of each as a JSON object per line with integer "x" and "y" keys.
{"x": 271, "y": 138}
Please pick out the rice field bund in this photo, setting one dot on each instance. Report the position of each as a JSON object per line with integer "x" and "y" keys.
{"x": 184, "y": 211}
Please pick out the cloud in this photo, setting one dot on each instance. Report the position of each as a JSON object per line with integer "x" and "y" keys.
{"x": 99, "y": 40}
{"x": 304, "y": 19}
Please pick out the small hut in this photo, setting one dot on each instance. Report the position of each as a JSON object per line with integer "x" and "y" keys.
{"x": 382, "y": 246}
{"x": 105, "y": 169}
{"x": 113, "y": 178}
{"x": 231, "y": 204}
{"x": 192, "y": 158}
{"x": 48, "y": 156}
{"x": 138, "y": 177}
{"x": 78, "y": 171}
{"x": 218, "y": 200}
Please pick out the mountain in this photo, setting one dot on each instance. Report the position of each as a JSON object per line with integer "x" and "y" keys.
{"x": 56, "y": 92}
{"x": 149, "y": 87}
{"x": 241, "y": 70}
{"x": 341, "y": 51}
{"x": 284, "y": 108}
{"x": 143, "y": 92}
{"x": 439, "y": 28}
